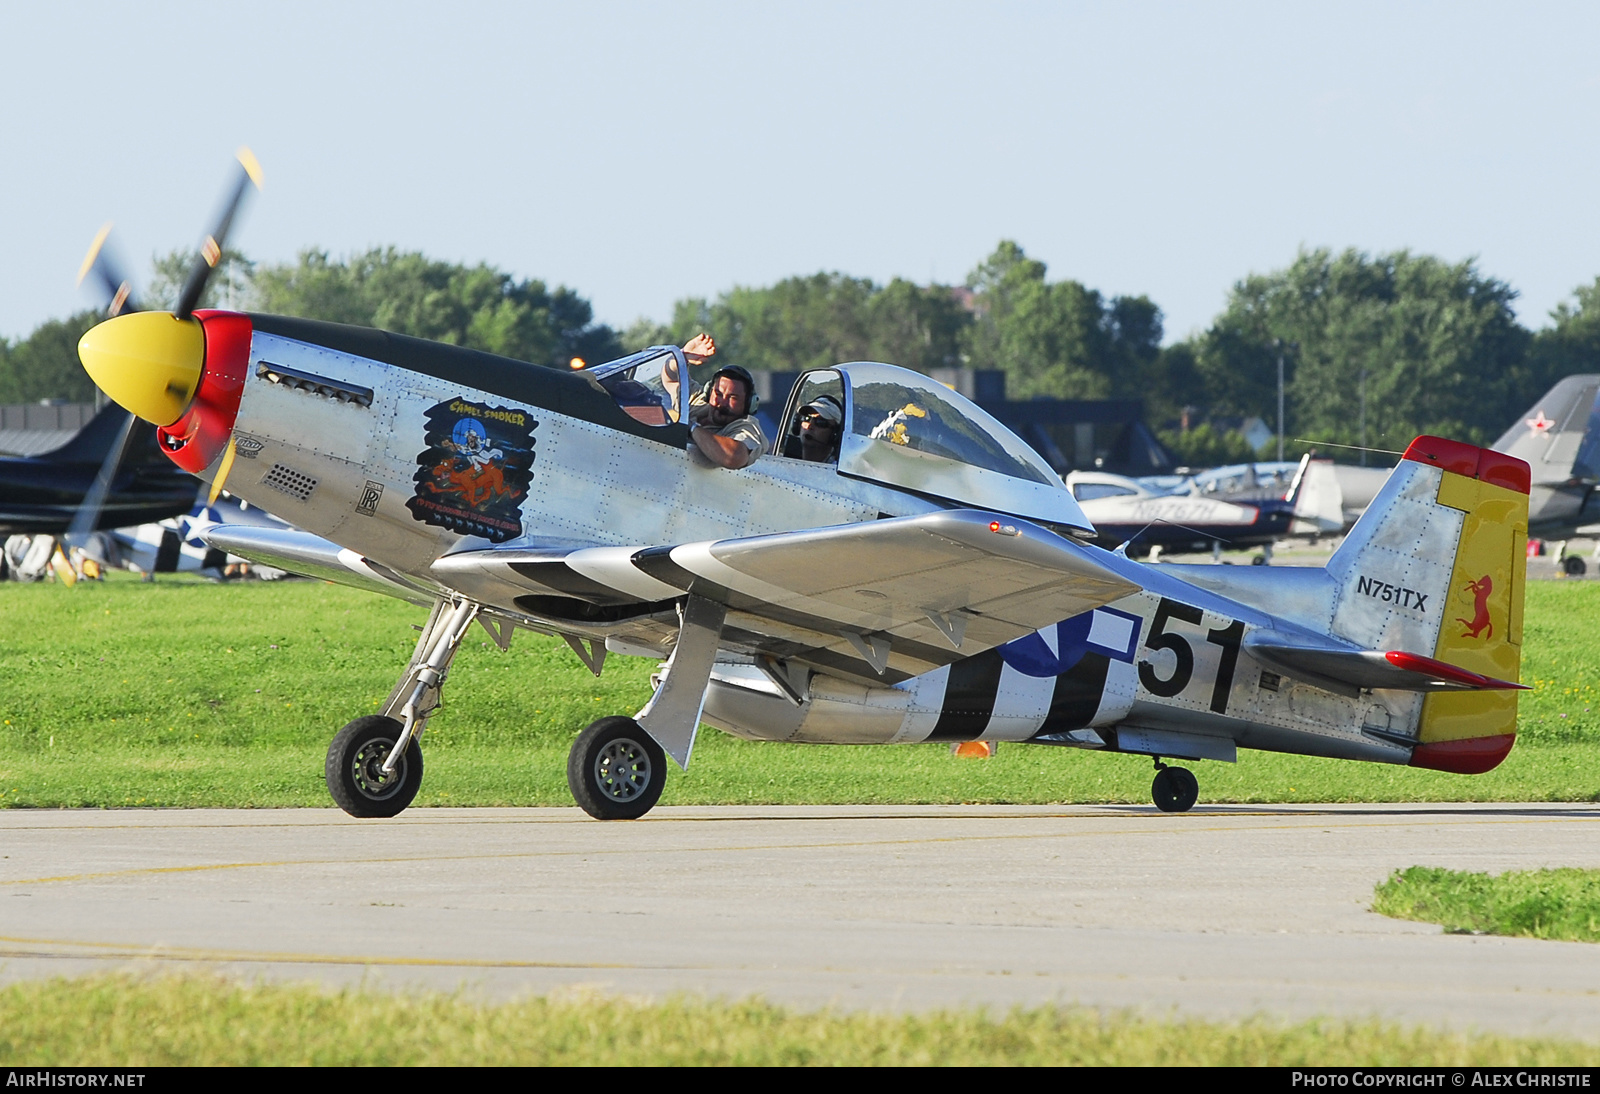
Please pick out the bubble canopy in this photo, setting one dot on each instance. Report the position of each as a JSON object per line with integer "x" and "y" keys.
{"x": 908, "y": 430}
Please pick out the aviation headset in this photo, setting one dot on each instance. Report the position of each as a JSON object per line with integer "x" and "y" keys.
{"x": 740, "y": 373}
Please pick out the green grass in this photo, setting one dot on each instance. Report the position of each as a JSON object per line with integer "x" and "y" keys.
{"x": 183, "y": 693}
{"x": 125, "y": 1022}
{"x": 1557, "y": 904}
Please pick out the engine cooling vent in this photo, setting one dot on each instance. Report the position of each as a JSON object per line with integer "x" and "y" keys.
{"x": 289, "y": 481}
{"x": 327, "y": 387}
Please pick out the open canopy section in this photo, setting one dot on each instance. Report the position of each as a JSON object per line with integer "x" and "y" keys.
{"x": 647, "y": 385}
{"x": 907, "y": 430}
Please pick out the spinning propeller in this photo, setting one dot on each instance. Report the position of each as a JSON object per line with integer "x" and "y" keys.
{"x": 154, "y": 363}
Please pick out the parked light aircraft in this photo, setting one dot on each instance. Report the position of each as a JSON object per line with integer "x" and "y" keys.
{"x": 1126, "y": 512}
{"x": 933, "y": 582}
{"x": 1355, "y": 486}
{"x": 1559, "y": 437}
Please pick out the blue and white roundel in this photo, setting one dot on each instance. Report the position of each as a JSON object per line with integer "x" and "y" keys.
{"x": 1057, "y": 648}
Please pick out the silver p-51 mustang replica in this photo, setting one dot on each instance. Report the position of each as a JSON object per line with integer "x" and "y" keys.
{"x": 933, "y": 582}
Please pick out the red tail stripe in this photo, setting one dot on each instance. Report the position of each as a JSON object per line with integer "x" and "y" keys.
{"x": 1483, "y": 464}
{"x": 1500, "y": 469}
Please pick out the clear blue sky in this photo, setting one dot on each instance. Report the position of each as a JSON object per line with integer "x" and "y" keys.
{"x": 646, "y": 152}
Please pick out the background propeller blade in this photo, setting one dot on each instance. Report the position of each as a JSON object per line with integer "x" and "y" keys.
{"x": 211, "y": 249}
{"x": 88, "y": 514}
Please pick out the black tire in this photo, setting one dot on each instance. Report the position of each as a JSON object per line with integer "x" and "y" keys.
{"x": 616, "y": 770}
{"x": 1573, "y": 566}
{"x": 1175, "y": 789}
{"x": 353, "y": 768}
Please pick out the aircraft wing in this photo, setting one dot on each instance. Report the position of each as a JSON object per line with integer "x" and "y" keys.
{"x": 881, "y": 600}
{"x": 312, "y": 556}
{"x": 1326, "y": 663}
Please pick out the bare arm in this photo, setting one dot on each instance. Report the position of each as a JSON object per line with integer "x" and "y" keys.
{"x": 722, "y": 451}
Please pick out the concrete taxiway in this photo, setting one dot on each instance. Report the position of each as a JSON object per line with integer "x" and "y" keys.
{"x": 1224, "y": 912}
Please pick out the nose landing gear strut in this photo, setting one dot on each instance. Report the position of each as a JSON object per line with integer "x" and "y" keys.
{"x": 374, "y": 764}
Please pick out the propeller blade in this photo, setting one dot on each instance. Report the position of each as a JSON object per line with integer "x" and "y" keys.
{"x": 222, "y": 474}
{"x": 88, "y": 514}
{"x": 211, "y": 250}
{"x": 116, "y": 289}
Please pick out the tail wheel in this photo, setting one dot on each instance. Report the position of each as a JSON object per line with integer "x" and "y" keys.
{"x": 1175, "y": 789}
{"x": 354, "y": 768}
{"x": 616, "y": 770}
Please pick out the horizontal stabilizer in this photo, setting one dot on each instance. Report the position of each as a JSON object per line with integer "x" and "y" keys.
{"x": 1324, "y": 663}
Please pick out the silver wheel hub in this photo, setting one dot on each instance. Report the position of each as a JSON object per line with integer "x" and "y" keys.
{"x": 622, "y": 770}
{"x": 366, "y": 771}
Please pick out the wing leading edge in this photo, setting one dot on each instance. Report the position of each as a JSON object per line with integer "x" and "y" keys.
{"x": 885, "y": 600}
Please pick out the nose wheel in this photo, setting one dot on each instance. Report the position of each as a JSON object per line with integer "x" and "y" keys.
{"x": 616, "y": 770}
{"x": 1175, "y": 789}
{"x": 355, "y": 774}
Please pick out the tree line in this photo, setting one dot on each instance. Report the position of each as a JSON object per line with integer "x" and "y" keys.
{"x": 1374, "y": 348}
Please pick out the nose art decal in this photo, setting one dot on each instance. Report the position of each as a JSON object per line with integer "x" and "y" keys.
{"x": 473, "y": 477}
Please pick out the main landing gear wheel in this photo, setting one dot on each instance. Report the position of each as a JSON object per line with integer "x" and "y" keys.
{"x": 1175, "y": 789}
{"x": 355, "y": 768}
{"x": 616, "y": 770}
{"x": 1573, "y": 566}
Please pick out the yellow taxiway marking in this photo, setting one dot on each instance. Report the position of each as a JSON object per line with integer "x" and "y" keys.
{"x": 596, "y": 852}
{"x": 53, "y": 947}
{"x": 69, "y": 949}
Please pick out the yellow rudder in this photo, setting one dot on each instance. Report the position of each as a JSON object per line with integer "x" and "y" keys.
{"x": 1470, "y": 732}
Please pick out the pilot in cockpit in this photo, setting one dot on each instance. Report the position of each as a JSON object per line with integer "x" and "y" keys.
{"x": 722, "y": 424}
{"x": 820, "y": 423}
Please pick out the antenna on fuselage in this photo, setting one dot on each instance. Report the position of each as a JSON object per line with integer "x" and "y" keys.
{"x": 1122, "y": 548}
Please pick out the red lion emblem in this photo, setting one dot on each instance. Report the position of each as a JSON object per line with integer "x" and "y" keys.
{"x": 1480, "y": 590}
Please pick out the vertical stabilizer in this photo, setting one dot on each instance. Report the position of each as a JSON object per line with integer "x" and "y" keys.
{"x": 1318, "y": 501}
{"x": 1436, "y": 566}
{"x": 1559, "y": 436}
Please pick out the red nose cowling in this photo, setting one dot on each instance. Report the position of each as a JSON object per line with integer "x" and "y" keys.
{"x": 194, "y": 441}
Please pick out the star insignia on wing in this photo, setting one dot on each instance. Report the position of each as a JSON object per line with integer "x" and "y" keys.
{"x": 1540, "y": 424}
